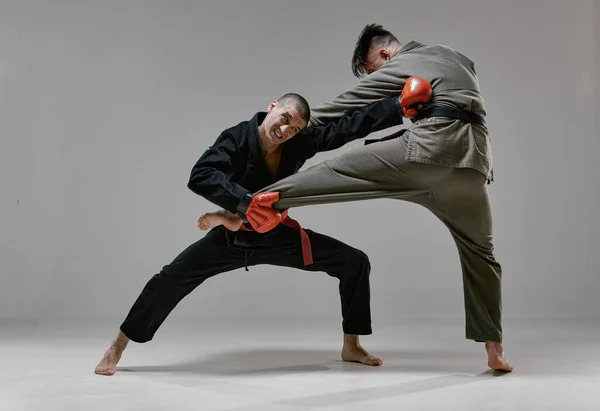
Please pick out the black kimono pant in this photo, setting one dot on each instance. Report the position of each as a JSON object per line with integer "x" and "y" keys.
{"x": 215, "y": 254}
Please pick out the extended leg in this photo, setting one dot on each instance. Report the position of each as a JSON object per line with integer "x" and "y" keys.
{"x": 205, "y": 258}
{"x": 374, "y": 171}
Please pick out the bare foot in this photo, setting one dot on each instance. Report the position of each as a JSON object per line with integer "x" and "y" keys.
{"x": 211, "y": 220}
{"x": 496, "y": 359}
{"x": 353, "y": 352}
{"x": 108, "y": 364}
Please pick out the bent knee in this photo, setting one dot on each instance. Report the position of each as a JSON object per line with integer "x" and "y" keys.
{"x": 171, "y": 273}
{"x": 358, "y": 260}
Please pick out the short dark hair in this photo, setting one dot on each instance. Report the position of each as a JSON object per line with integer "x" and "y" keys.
{"x": 370, "y": 36}
{"x": 298, "y": 102}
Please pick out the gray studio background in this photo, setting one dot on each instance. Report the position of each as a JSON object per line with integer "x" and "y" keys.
{"x": 107, "y": 105}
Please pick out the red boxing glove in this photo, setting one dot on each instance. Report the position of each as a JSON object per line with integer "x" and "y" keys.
{"x": 260, "y": 215}
{"x": 266, "y": 199}
{"x": 415, "y": 91}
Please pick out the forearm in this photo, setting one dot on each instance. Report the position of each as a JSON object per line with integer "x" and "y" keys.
{"x": 214, "y": 187}
{"x": 347, "y": 103}
{"x": 377, "y": 116}
{"x": 384, "y": 83}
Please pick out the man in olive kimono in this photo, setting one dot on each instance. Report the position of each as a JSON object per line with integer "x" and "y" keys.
{"x": 443, "y": 161}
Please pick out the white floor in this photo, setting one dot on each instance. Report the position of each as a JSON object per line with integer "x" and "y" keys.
{"x": 201, "y": 364}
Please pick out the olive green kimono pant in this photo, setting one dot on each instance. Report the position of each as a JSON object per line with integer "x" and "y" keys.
{"x": 457, "y": 196}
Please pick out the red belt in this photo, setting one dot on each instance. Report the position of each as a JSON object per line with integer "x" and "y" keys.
{"x": 304, "y": 240}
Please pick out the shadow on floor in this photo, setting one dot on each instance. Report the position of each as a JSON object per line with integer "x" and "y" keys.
{"x": 286, "y": 361}
{"x": 458, "y": 366}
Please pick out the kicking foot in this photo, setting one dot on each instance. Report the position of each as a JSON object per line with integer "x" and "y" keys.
{"x": 108, "y": 364}
{"x": 211, "y": 220}
{"x": 496, "y": 359}
{"x": 353, "y": 352}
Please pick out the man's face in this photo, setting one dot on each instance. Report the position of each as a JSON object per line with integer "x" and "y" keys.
{"x": 282, "y": 122}
{"x": 376, "y": 58}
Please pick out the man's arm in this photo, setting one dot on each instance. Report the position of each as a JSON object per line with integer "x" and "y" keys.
{"x": 378, "y": 116}
{"x": 386, "y": 82}
{"x": 211, "y": 176}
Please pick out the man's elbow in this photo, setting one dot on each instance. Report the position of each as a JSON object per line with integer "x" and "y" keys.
{"x": 194, "y": 186}
{"x": 199, "y": 177}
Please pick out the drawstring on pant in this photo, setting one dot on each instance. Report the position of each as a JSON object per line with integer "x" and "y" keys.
{"x": 247, "y": 255}
{"x": 490, "y": 179}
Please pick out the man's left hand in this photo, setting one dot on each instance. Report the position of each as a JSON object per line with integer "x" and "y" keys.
{"x": 260, "y": 214}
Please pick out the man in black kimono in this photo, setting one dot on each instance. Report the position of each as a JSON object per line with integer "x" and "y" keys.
{"x": 244, "y": 159}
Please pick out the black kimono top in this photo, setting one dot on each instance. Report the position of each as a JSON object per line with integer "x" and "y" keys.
{"x": 233, "y": 168}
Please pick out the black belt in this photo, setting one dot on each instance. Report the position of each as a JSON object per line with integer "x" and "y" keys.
{"x": 456, "y": 113}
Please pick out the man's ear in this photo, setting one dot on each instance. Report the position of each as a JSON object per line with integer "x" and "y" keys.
{"x": 384, "y": 54}
{"x": 272, "y": 105}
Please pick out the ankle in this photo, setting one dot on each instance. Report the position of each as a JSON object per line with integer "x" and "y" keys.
{"x": 494, "y": 346}
{"x": 351, "y": 339}
{"x": 120, "y": 342}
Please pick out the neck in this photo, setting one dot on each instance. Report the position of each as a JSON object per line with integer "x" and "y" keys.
{"x": 395, "y": 48}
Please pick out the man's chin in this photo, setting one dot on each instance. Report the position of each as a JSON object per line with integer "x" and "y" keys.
{"x": 275, "y": 140}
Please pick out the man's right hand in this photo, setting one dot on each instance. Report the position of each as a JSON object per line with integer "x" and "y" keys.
{"x": 260, "y": 214}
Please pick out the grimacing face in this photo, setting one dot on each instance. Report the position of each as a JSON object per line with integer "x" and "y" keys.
{"x": 283, "y": 121}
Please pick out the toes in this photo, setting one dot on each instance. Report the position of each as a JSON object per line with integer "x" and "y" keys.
{"x": 500, "y": 365}
{"x": 503, "y": 369}
{"x": 372, "y": 361}
{"x": 105, "y": 371}
{"x": 366, "y": 360}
